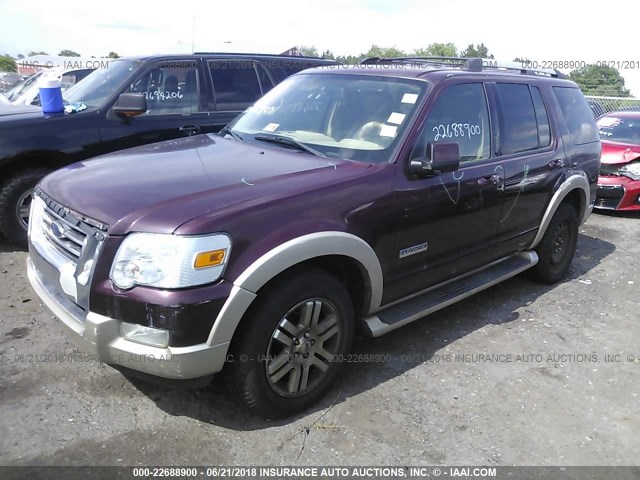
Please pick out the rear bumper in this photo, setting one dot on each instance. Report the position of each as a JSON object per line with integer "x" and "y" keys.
{"x": 99, "y": 335}
{"x": 618, "y": 193}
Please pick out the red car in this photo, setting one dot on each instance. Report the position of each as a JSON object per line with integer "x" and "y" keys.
{"x": 619, "y": 181}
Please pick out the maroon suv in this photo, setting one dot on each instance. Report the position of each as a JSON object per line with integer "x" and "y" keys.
{"x": 345, "y": 198}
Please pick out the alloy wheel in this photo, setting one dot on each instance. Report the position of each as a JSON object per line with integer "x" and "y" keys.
{"x": 302, "y": 347}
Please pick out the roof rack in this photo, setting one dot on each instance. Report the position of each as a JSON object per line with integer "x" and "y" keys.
{"x": 467, "y": 64}
{"x": 245, "y": 54}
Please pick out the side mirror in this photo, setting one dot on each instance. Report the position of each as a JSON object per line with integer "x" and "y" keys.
{"x": 439, "y": 158}
{"x": 130, "y": 104}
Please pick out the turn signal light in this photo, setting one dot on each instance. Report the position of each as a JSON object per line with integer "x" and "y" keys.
{"x": 209, "y": 259}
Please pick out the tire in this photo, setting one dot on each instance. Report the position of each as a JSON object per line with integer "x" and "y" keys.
{"x": 275, "y": 376}
{"x": 558, "y": 245}
{"x": 15, "y": 200}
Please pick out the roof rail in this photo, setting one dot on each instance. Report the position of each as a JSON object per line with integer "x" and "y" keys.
{"x": 468, "y": 64}
{"x": 245, "y": 54}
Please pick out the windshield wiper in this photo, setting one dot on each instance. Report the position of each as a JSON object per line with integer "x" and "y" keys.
{"x": 227, "y": 131}
{"x": 290, "y": 142}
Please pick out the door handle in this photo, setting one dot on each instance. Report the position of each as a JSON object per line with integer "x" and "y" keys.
{"x": 192, "y": 129}
{"x": 488, "y": 180}
{"x": 556, "y": 164}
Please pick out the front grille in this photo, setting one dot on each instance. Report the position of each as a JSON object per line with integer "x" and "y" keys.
{"x": 64, "y": 233}
{"x": 606, "y": 203}
{"x": 61, "y": 238}
{"x": 609, "y": 196}
{"x": 609, "y": 169}
{"x": 69, "y": 233}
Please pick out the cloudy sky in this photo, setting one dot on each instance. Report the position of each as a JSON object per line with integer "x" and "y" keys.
{"x": 543, "y": 30}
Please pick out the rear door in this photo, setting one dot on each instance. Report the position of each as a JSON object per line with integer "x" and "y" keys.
{"x": 533, "y": 159}
{"x": 236, "y": 85}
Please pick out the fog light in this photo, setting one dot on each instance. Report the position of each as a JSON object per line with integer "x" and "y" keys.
{"x": 154, "y": 337}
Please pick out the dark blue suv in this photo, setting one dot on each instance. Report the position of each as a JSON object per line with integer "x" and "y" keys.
{"x": 130, "y": 102}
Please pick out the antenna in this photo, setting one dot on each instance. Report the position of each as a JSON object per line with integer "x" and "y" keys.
{"x": 193, "y": 35}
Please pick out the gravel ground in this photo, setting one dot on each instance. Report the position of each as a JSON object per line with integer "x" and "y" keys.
{"x": 517, "y": 375}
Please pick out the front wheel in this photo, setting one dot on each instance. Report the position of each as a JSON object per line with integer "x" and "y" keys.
{"x": 558, "y": 245}
{"x": 292, "y": 344}
{"x": 15, "y": 204}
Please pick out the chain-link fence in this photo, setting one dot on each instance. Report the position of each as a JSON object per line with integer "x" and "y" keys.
{"x": 602, "y": 105}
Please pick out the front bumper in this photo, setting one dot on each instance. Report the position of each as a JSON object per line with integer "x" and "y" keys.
{"x": 100, "y": 335}
{"x": 618, "y": 193}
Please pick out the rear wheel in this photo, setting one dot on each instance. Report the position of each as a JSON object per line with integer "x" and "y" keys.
{"x": 292, "y": 343}
{"x": 557, "y": 246}
{"x": 15, "y": 204}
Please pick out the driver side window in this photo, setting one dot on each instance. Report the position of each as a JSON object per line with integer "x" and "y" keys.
{"x": 170, "y": 88}
{"x": 460, "y": 115}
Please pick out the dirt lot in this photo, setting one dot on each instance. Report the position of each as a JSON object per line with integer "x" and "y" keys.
{"x": 517, "y": 375}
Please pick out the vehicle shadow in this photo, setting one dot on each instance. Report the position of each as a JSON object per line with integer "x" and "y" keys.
{"x": 613, "y": 213}
{"x": 420, "y": 340}
{"x": 6, "y": 247}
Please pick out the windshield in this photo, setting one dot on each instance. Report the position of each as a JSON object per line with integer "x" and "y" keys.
{"x": 14, "y": 92}
{"x": 341, "y": 116}
{"x": 102, "y": 84}
{"x": 620, "y": 129}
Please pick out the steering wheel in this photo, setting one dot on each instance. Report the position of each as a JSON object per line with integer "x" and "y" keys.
{"x": 369, "y": 131}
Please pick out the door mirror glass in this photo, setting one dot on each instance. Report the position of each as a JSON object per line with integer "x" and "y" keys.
{"x": 441, "y": 157}
{"x": 130, "y": 104}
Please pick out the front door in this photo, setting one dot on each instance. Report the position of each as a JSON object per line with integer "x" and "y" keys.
{"x": 177, "y": 106}
{"x": 449, "y": 221}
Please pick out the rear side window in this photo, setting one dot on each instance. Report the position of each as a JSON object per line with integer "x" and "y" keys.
{"x": 235, "y": 84}
{"x": 544, "y": 132}
{"x": 577, "y": 114}
{"x": 265, "y": 81}
{"x": 519, "y": 129}
{"x": 282, "y": 68}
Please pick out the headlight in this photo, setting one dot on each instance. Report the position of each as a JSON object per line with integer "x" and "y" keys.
{"x": 631, "y": 170}
{"x": 170, "y": 261}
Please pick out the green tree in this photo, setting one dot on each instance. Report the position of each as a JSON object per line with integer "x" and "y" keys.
{"x": 309, "y": 51}
{"x": 348, "y": 59}
{"x": 437, "y": 50}
{"x": 476, "y": 51}
{"x": 328, "y": 54}
{"x": 600, "y": 80}
{"x": 68, "y": 53}
{"x": 32, "y": 53}
{"x": 523, "y": 62}
{"x": 113, "y": 55}
{"x": 7, "y": 64}
{"x": 20, "y": 56}
{"x": 384, "y": 52}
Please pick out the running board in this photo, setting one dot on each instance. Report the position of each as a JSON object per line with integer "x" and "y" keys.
{"x": 445, "y": 294}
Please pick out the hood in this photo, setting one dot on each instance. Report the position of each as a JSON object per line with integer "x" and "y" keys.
{"x": 22, "y": 111}
{"x": 158, "y": 187}
{"x": 619, "y": 153}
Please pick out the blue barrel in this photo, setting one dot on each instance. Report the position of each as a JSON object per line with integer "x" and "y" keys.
{"x": 50, "y": 95}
